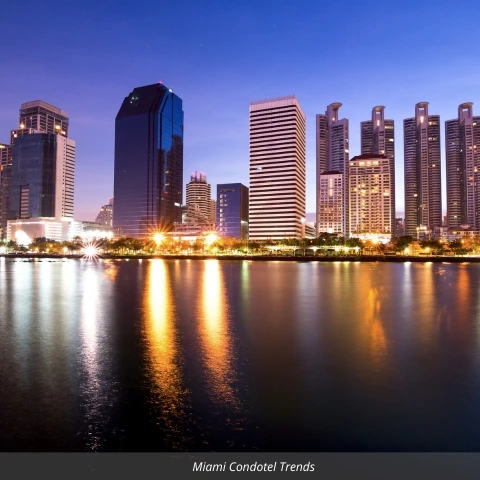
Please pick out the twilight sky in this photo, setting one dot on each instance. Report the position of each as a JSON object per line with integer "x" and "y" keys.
{"x": 219, "y": 55}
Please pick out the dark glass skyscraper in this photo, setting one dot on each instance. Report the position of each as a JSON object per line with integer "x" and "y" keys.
{"x": 148, "y": 178}
{"x": 33, "y": 176}
{"x": 232, "y": 210}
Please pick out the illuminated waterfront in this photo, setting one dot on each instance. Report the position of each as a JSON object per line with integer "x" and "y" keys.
{"x": 235, "y": 355}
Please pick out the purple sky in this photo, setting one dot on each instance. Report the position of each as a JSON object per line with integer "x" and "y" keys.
{"x": 218, "y": 56}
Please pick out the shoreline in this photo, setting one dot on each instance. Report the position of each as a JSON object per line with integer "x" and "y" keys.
{"x": 281, "y": 258}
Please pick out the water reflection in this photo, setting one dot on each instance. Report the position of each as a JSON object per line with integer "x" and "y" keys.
{"x": 279, "y": 357}
{"x": 111, "y": 270}
{"x": 215, "y": 336}
{"x": 91, "y": 386}
{"x": 372, "y": 325}
{"x": 163, "y": 351}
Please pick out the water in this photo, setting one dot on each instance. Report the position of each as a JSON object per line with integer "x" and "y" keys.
{"x": 213, "y": 355}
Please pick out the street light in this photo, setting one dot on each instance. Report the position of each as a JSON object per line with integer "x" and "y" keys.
{"x": 210, "y": 238}
{"x": 158, "y": 238}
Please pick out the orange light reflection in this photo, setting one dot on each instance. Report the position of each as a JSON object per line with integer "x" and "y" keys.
{"x": 215, "y": 334}
{"x": 162, "y": 343}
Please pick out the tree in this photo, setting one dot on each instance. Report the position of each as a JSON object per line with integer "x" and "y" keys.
{"x": 458, "y": 247}
{"x": 399, "y": 244}
{"x": 433, "y": 246}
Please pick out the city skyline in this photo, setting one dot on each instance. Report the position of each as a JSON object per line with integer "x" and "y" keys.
{"x": 400, "y": 180}
{"x": 218, "y": 68}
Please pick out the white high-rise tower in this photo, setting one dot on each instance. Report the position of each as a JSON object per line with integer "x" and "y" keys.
{"x": 277, "y": 169}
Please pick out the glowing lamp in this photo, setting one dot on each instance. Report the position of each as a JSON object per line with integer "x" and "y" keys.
{"x": 158, "y": 238}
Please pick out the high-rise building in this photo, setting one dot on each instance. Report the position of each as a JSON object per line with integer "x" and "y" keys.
{"x": 277, "y": 169}
{"x": 370, "y": 188}
{"x": 330, "y": 217}
{"x": 232, "y": 210}
{"x": 148, "y": 172}
{"x": 423, "y": 196}
{"x": 199, "y": 192}
{"x": 399, "y": 227}
{"x": 462, "y": 147}
{"x": 378, "y": 138}
{"x": 332, "y": 138}
{"x": 42, "y": 178}
{"x": 5, "y": 175}
{"x": 105, "y": 216}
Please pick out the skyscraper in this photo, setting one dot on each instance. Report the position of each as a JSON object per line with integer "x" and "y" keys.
{"x": 277, "y": 169}
{"x": 331, "y": 203}
{"x": 370, "y": 188}
{"x": 148, "y": 172}
{"x": 332, "y": 138}
{"x": 5, "y": 176}
{"x": 199, "y": 192}
{"x": 42, "y": 178}
{"x": 232, "y": 210}
{"x": 378, "y": 138}
{"x": 41, "y": 182}
{"x": 423, "y": 197}
{"x": 462, "y": 147}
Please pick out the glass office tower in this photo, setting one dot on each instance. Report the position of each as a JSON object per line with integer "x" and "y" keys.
{"x": 148, "y": 176}
{"x": 232, "y": 210}
{"x": 33, "y": 177}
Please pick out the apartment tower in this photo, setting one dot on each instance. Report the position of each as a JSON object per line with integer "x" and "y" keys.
{"x": 277, "y": 169}
{"x": 332, "y": 153}
{"x": 370, "y": 189}
{"x": 423, "y": 196}
{"x": 331, "y": 201}
{"x": 378, "y": 138}
{"x": 462, "y": 147}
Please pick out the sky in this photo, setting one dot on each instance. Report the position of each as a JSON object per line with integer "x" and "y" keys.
{"x": 220, "y": 55}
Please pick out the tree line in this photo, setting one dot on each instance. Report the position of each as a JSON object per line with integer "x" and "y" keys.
{"x": 133, "y": 246}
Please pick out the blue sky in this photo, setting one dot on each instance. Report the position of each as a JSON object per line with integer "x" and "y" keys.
{"x": 218, "y": 56}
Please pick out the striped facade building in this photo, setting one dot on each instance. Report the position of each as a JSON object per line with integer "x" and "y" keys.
{"x": 277, "y": 169}
{"x": 199, "y": 193}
